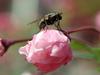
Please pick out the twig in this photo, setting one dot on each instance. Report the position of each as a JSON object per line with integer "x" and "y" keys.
{"x": 81, "y": 29}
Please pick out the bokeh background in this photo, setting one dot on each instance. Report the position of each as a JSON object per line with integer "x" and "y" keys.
{"x": 16, "y": 14}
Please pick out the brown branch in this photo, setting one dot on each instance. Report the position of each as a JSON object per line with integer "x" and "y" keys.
{"x": 81, "y": 29}
{"x": 19, "y": 41}
{"x": 6, "y": 43}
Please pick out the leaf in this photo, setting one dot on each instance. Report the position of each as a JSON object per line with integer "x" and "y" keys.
{"x": 76, "y": 45}
{"x": 82, "y": 50}
{"x": 96, "y": 51}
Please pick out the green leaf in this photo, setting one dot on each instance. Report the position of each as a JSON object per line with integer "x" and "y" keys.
{"x": 76, "y": 45}
{"x": 96, "y": 51}
{"x": 84, "y": 55}
{"x": 82, "y": 50}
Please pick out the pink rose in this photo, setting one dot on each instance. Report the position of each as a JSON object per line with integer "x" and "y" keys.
{"x": 48, "y": 50}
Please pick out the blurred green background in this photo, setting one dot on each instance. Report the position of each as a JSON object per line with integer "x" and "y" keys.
{"x": 16, "y": 14}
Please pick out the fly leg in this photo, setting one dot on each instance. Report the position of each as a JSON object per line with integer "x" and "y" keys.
{"x": 43, "y": 25}
{"x": 58, "y": 25}
{"x": 64, "y": 32}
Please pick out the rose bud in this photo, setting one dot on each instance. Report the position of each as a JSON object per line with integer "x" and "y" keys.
{"x": 4, "y": 45}
{"x": 2, "y": 48}
{"x": 48, "y": 50}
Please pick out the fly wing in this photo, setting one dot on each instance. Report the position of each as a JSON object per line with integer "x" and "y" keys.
{"x": 34, "y": 21}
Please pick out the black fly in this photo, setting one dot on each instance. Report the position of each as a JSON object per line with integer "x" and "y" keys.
{"x": 50, "y": 19}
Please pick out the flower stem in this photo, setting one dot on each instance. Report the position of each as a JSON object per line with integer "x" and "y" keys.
{"x": 7, "y": 43}
{"x": 81, "y": 29}
{"x": 18, "y": 41}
